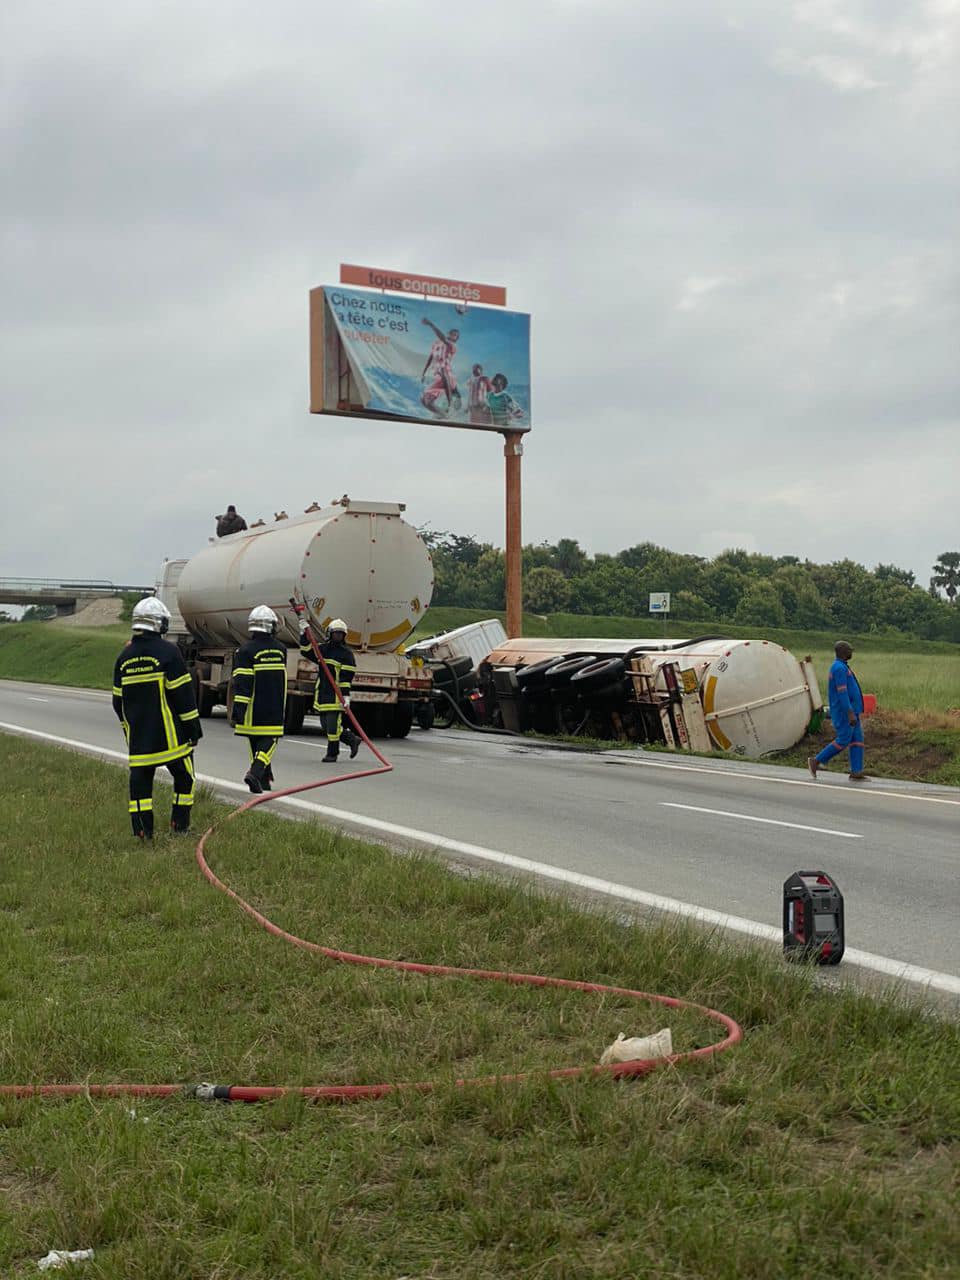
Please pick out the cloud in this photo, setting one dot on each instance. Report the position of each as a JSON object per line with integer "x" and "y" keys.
{"x": 733, "y": 262}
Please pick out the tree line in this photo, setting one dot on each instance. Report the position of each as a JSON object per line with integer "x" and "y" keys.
{"x": 736, "y": 586}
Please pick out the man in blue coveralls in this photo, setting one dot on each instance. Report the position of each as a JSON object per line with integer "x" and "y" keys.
{"x": 846, "y": 708}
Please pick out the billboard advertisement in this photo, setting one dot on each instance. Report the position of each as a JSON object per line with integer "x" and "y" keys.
{"x": 411, "y": 359}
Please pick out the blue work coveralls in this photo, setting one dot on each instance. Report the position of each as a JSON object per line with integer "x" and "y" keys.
{"x": 843, "y": 691}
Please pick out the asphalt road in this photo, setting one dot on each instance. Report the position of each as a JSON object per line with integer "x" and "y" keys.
{"x": 714, "y": 839}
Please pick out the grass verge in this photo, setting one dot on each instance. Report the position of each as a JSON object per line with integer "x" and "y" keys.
{"x": 826, "y": 1144}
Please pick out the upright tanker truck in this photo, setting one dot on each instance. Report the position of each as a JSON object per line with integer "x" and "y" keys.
{"x": 359, "y": 561}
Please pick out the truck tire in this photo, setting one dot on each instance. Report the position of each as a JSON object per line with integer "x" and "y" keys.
{"x": 456, "y": 667}
{"x": 400, "y": 720}
{"x": 561, "y": 675}
{"x": 294, "y": 713}
{"x": 425, "y": 715}
{"x": 598, "y": 675}
{"x": 206, "y": 700}
{"x": 372, "y": 718}
{"x": 535, "y": 676}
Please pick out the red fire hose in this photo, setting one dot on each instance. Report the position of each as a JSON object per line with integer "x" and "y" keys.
{"x": 355, "y": 1093}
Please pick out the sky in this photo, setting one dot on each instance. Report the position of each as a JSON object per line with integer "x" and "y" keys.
{"x": 734, "y": 227}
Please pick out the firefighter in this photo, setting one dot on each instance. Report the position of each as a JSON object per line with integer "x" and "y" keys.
{"x": 153, "y": 699}
{"x": 342, "y": 664}
{"x": 260, "y": 695}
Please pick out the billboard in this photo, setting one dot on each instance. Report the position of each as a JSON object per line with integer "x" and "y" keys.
{"x": 413, "y": 360}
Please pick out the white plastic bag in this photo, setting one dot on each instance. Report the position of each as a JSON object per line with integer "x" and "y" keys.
{"x": 58, "y": 1258}
{"x": 628, "y": 1050}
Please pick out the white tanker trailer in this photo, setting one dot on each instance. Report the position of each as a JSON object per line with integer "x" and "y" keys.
{"x": 354, "y": 560}
{"x": 748, "y": 697}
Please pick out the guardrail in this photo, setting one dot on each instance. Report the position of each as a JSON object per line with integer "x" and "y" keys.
{"x": 68, "y": 584}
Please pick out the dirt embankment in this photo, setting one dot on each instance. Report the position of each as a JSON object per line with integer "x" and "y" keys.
{"x": 96, "y": 613}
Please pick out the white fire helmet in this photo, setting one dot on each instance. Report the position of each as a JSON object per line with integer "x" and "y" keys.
{"x": 262, "y": 618}
{"x": 337, "y": 624}
{"x": 151, "y": 615}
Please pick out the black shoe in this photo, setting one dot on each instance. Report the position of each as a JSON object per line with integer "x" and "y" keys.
{"x": 268, "y": 780}
{"x": 253, "y": 783}
{"x": 329, "y": 759}
{"x": 354, "y": 744}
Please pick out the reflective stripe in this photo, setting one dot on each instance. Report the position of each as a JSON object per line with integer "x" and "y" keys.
{"x": 260, "y": 730}
{"x": 161, "y": 757}
{"x": 117, "y": 693}
{"x": 241, "y": 697}
{"x": 141, "y": 806}
{"x": 190, "y": 715}
{"x": 183, "y": 800}
{"x": 180, "y": 680}
{"x": 243, "y": 671}
{"x": 155, "y": 677}
{"x": 170, "y": 729}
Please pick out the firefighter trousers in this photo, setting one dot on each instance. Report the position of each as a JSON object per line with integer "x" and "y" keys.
{"x": 261, "y": 755}
{"x": 332, "y": 722}
{"x": 141, "y": 795}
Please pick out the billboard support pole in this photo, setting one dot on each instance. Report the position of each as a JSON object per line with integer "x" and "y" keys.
{"x": 513, "y": 452}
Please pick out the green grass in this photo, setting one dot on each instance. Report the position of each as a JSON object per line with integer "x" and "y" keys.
{"x": 825, "y": 1145}
{"x": 79, "y": 656}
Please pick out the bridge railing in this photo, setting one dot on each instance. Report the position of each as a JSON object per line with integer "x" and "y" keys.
{"x": 68, "y": 584}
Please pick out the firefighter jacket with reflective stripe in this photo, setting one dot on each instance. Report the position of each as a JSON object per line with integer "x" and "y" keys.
{"x": 342, "y": 666}
{"x": 260, "y": 687}
{"x": 153, "y": 699}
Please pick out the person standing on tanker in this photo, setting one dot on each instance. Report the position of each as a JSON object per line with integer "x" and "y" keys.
{"x": 342, "y": 665}
{"x": 153, "y": 699}
{"x": 440, "y": 360}
{"x": 230, "y": 522}
{"x": 846, "y": 708}
{"x": 260, "y": 695}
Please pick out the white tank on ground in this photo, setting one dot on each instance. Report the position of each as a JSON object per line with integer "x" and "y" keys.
{"x": 359, "y": 561}
{"x": 757, "y": 697}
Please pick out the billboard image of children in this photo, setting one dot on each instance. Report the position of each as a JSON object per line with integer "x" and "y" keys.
{"x": 440, "y": 362}
{"x": 502, "y": 407}
{"x": 478, "y": 388}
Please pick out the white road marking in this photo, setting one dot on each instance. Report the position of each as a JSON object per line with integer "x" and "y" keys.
{"x": 896, "y": 969}
{"x": 834, "y": 789}
{"x": 31, "y": 698}
{"x": 773, "y": 822}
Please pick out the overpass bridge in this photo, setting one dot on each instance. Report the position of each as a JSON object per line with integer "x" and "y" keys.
{"x": 64, "y": 593}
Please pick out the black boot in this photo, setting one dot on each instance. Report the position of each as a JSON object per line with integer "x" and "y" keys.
{"x": 253, "y": 782}
{"x": 180, "y": 819}
{"x": 353, "y": 742}
{"x": 333, "y": 751}
{"x": 142, "y": 824}
{"x": 268, "y": 779}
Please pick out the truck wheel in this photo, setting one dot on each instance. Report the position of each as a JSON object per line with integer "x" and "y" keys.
{"x": 564, "y": 672}
{"x": 535, "y": 676}
{"x": 206, "y": 701}
{"x": 400, "y": 720}
{"x": 598, "y": 675}
{"x": 372, "y": 718}
{"x": 293, "y": 716}
{"x": 425, "y": 715}
{"x": 446, "y": 672}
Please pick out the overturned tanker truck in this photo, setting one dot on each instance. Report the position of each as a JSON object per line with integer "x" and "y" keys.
{"x": 355, "y": 560}
{"x": 748, "y": 697}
